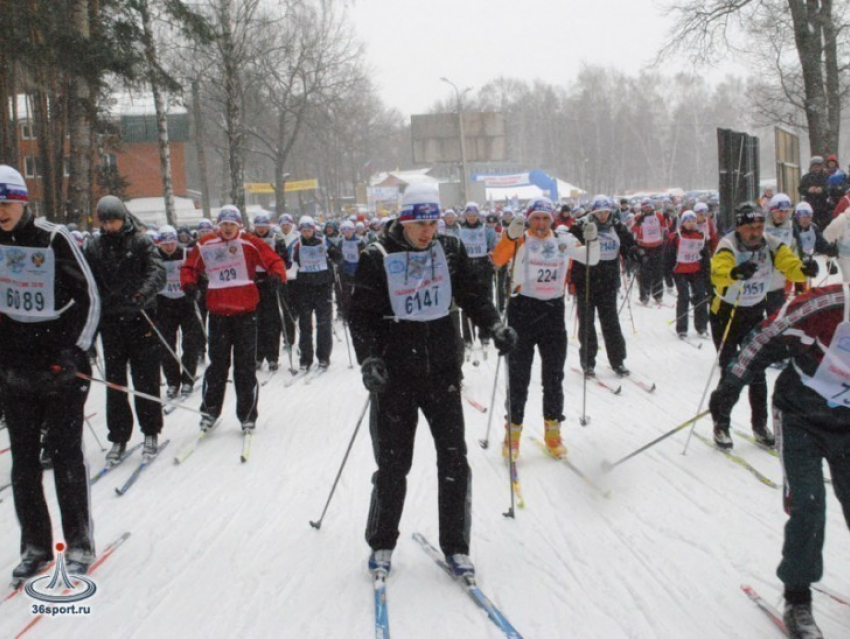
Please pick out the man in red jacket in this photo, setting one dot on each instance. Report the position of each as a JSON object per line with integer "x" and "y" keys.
{"x": 230, "y": 258}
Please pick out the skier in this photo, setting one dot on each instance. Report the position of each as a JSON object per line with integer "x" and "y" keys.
{"x": 451, "y": 226}
{"x": 536, "y": 311}
{"x": 741, "y": 270}
{"x": 649, "y": 229}
{"x": 313, "y": 293}
{"x": 268, "y": 309}
{"x": 406, "y": 345}
{"x": 287, "y": 302}
{"x": 351, "y": 248}
{"x": 813, "y": 188}
{"x": 779, "y": 225}
{"x": 614, "y": 241}
{"x": 811, "y": 411}
{"x": 479, "y": 240}
{"x": 689, "y": 251}
{"x": 230, "y": 258}
{"x": 176, "y": 312}
{"x": 49, "y": 312}
{"x": 129, "y": 275}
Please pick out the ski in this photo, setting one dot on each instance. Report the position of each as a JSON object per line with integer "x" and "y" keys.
{"x": 599, "y": 382}
{"x": 479, "y": 407}
{"x": 269, "y": 377}
{"x": 5, "y": 450}
{"x": 138, "y": 471}
{"x": 575, "y": 469}
{"x": 247, "y": 436}
{"x": 106, "y": 554}
{"x": 750, "y": 438}
{"x": 743, "y": 463}
{"x": 687, "y": 340}
{"x": 184, "y": 454}
{"x": 106, "y": 469}
{"x": 382, "y": 618}
{"x": 515, "y": 485}
{"x": 317, "y": 372}
{"x": 771, "y": 612}
{"x": 649, "y": 387}
{"x": 832, "y": 594}
{"x": 471, "y": 589}
{"x": 295, "y": 378}
{"x": 16, "y": 586}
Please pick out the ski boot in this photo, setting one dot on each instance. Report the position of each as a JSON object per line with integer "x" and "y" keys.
{"x": 380, "y": 562}
{"x": 171, "y": 392}
{"x": 512, "y": 441}
{"x": 620, "y": 370}
{"x": 552, "y": 437}
{"x": 31, "y": 564}
{"x": 763, "y": 435}
{"x": 151, "y": 447}
{"x": 461, "y": 566}
{"x": 721, "y": 437}
{"x": 799, "y": 621}
{"x": 116, "y": 453}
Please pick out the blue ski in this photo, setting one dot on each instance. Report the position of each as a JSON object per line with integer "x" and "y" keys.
{"x": 103, "y": 471}
{"x": 142, "y": 466}
{"x": 382, "y": 618}
{"x": 471, "y": 589}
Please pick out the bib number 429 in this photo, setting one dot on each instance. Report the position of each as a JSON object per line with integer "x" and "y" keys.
{"x": 227, "y": 275}
{"x": 421, "y": 300}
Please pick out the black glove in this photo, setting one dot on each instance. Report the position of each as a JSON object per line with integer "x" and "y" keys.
{"x": 833, "y": 268}
{"x": 636, "y": 253}
{"x": 831, "y": 250}
{"x": 810, "y": 268}
{"x": 504, "y": 337}
{"x": 138, "y": 300}
{"x": 744, "y": 271}
{"x": 65, "y": 368}
{"x": 274, "y": 278}
{"x": 190, "y": 289}
{"x": 375, "y": 374}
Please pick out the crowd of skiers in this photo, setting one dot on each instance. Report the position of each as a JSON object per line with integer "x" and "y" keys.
{"x": 416, "y": 291}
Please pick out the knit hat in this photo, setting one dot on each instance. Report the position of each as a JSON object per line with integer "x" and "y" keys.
{"x": 286, "y": 218}
{"x": 701, "y": 207}
{"x": 262, "y": 219}
{"x": 12, "y": 185}
{"x": 204, "y": 224}
{"x": 780, "y": 202}
{"x": 816, "y": 159}
{"x": 421, "y": 203}
{"x": 688, "y": 216}
{"x": 167, "y": 234}
{"x": 472, "y": 207}
{"x": 306, "y": 222}
{"x": 229, "y": 213}
{"x": 748, "y": 213}
{"x": 802, "y": 209}
{"x": 540, "y": 205}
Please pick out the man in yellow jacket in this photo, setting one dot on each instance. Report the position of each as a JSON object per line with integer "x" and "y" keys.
{"x": 741, "y": 270}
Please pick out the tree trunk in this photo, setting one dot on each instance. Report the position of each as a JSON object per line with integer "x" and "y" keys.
{"x": 233, "y": 109}
{"x": 833, "y": 82}
{"x": 79, "y": 123}
{"x": 161, "y": 112}
{"x": 200, "y": 142}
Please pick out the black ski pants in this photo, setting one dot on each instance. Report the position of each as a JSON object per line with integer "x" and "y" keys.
{"x": 651, "y": 274}
{"x": 290, "y": 313}
{"x": 268, "y": 322}
{"x": 541, "y": 324}
{"x": 603, "y": 302}
{"x": 690, "y": 289}
{"x": 236, "y": 334}
{"x": 318, "y": 300}
{"x": 59, "y": 410}
{"x": 345, "y": 291}
{"x": 131, "y": 340}
{"x": 173, "y": 316}
{"x": 746, "y": 318}
{"x": 393, "y": 419}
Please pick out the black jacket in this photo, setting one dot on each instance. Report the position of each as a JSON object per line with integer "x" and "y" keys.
{"x": 321, "y": 278}
{"x": 817, "y": 200}
{"x": 124, "y": 265}
{"x": 604, "y": 276}
{"x": 414, "y": 349}
{"x": 34, "y": 346}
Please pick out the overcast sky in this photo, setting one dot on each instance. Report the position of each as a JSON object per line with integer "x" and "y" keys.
{"x": 411, "y": 44}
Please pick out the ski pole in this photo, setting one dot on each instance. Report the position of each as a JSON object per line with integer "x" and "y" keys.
{"x": 129, "y": 391}
{"x": 318, "y": 524}
{"x": 168, "y": 348}
{"x": 511, "y": 459}
{"x": 607, "y": 466}
{"x": 486, "y": 441}
{"x": 201, "y": 321}
{"x": 628, "y": 294}
{"x": 584, "y": 419}
{"x": 688, "y": 312}
{"x": 282, "y": 303}
{"x": 713, "y": 365}
{"x": 94, "y": 434}
{"x": 631, "y": 315}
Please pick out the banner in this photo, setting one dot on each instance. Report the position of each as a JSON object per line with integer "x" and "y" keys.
{"x": 259, "y": 188}
{"x": 503, "y": 181}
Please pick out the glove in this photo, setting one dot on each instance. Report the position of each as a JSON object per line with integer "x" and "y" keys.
{"x": 65, "y": 369}
{"x": 831, "y": 250}
{"x": 833, "y": 268}
{"x": 375, "y": 374}
{"x": 744, "y": 271}
{"x": 504, "y": 337}
{"x": 274, "y": 278}
{"x": 138, "y": 300}
{"x": 591, "y": 231}
{"x": 810, "y": 268}
{"x": 190, "y": 289}
{"x": 516, "y": 228}
{"x": 637, "y": 253}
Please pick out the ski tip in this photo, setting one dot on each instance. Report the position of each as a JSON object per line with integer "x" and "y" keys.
{"x": 119, "y": 492}
{"x": 652, "y": 388}
{"x": 484, "y": 443}
{"x": 618, "y": 390}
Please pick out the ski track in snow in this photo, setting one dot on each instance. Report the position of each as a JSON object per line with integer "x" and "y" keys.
{"x": 224, "y": 549}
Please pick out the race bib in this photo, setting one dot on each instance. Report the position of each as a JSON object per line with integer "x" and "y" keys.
{"x": 225, "y": 264}
{"x": 807, "y": 241}
{"x": 419, "y": 284}
{"x": 754, "y": 289}
{"x": 784, "y": 234}
{"x": 475, "y": 241}
{"x": 609, "y": 245}
{"x": 832, "y": 377}
{"x": 313, "y": 259}
{"x": 172, "y": 288}
{"x": 690, "y": 250}
{"x": 351, "y": 251}
{"x": 27, "y": 280}
{"x": 651, "y": 230}
{"x": 545, "y": 269}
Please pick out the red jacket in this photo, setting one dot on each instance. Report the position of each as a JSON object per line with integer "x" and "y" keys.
{"x": 673, "y": 246}
{"x": 655, "y": 232}
{"x": 242, "y": 296}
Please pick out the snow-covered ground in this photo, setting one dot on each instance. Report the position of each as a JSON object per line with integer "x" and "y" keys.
{"x": 224, "y": 549}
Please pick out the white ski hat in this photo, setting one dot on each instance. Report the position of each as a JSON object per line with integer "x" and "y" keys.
{"x": 12, "y": 185}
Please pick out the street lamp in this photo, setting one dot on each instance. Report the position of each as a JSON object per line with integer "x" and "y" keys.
{"x": 459, "y": 96}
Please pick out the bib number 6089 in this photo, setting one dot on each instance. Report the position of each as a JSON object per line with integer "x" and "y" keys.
{"x": 28, "y": 300}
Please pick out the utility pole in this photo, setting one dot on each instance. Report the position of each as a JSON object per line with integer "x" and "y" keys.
{"x": 459, "y": 96}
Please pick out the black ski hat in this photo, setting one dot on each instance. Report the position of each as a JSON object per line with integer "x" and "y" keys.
{"x": 110, "y": 207}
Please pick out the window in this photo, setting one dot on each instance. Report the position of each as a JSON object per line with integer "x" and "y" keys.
{"x": 27, "y": 130}
{"x": 109, "y": 161}
{"x": 32, "y": 167}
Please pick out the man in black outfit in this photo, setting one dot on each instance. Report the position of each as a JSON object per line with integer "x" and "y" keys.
{"x": 129, "y": 274}
{"x": 407, "y": 345}
{"x": 49, "y": 309}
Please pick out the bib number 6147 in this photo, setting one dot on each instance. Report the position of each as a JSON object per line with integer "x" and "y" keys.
{"x": 421, "y": 300}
